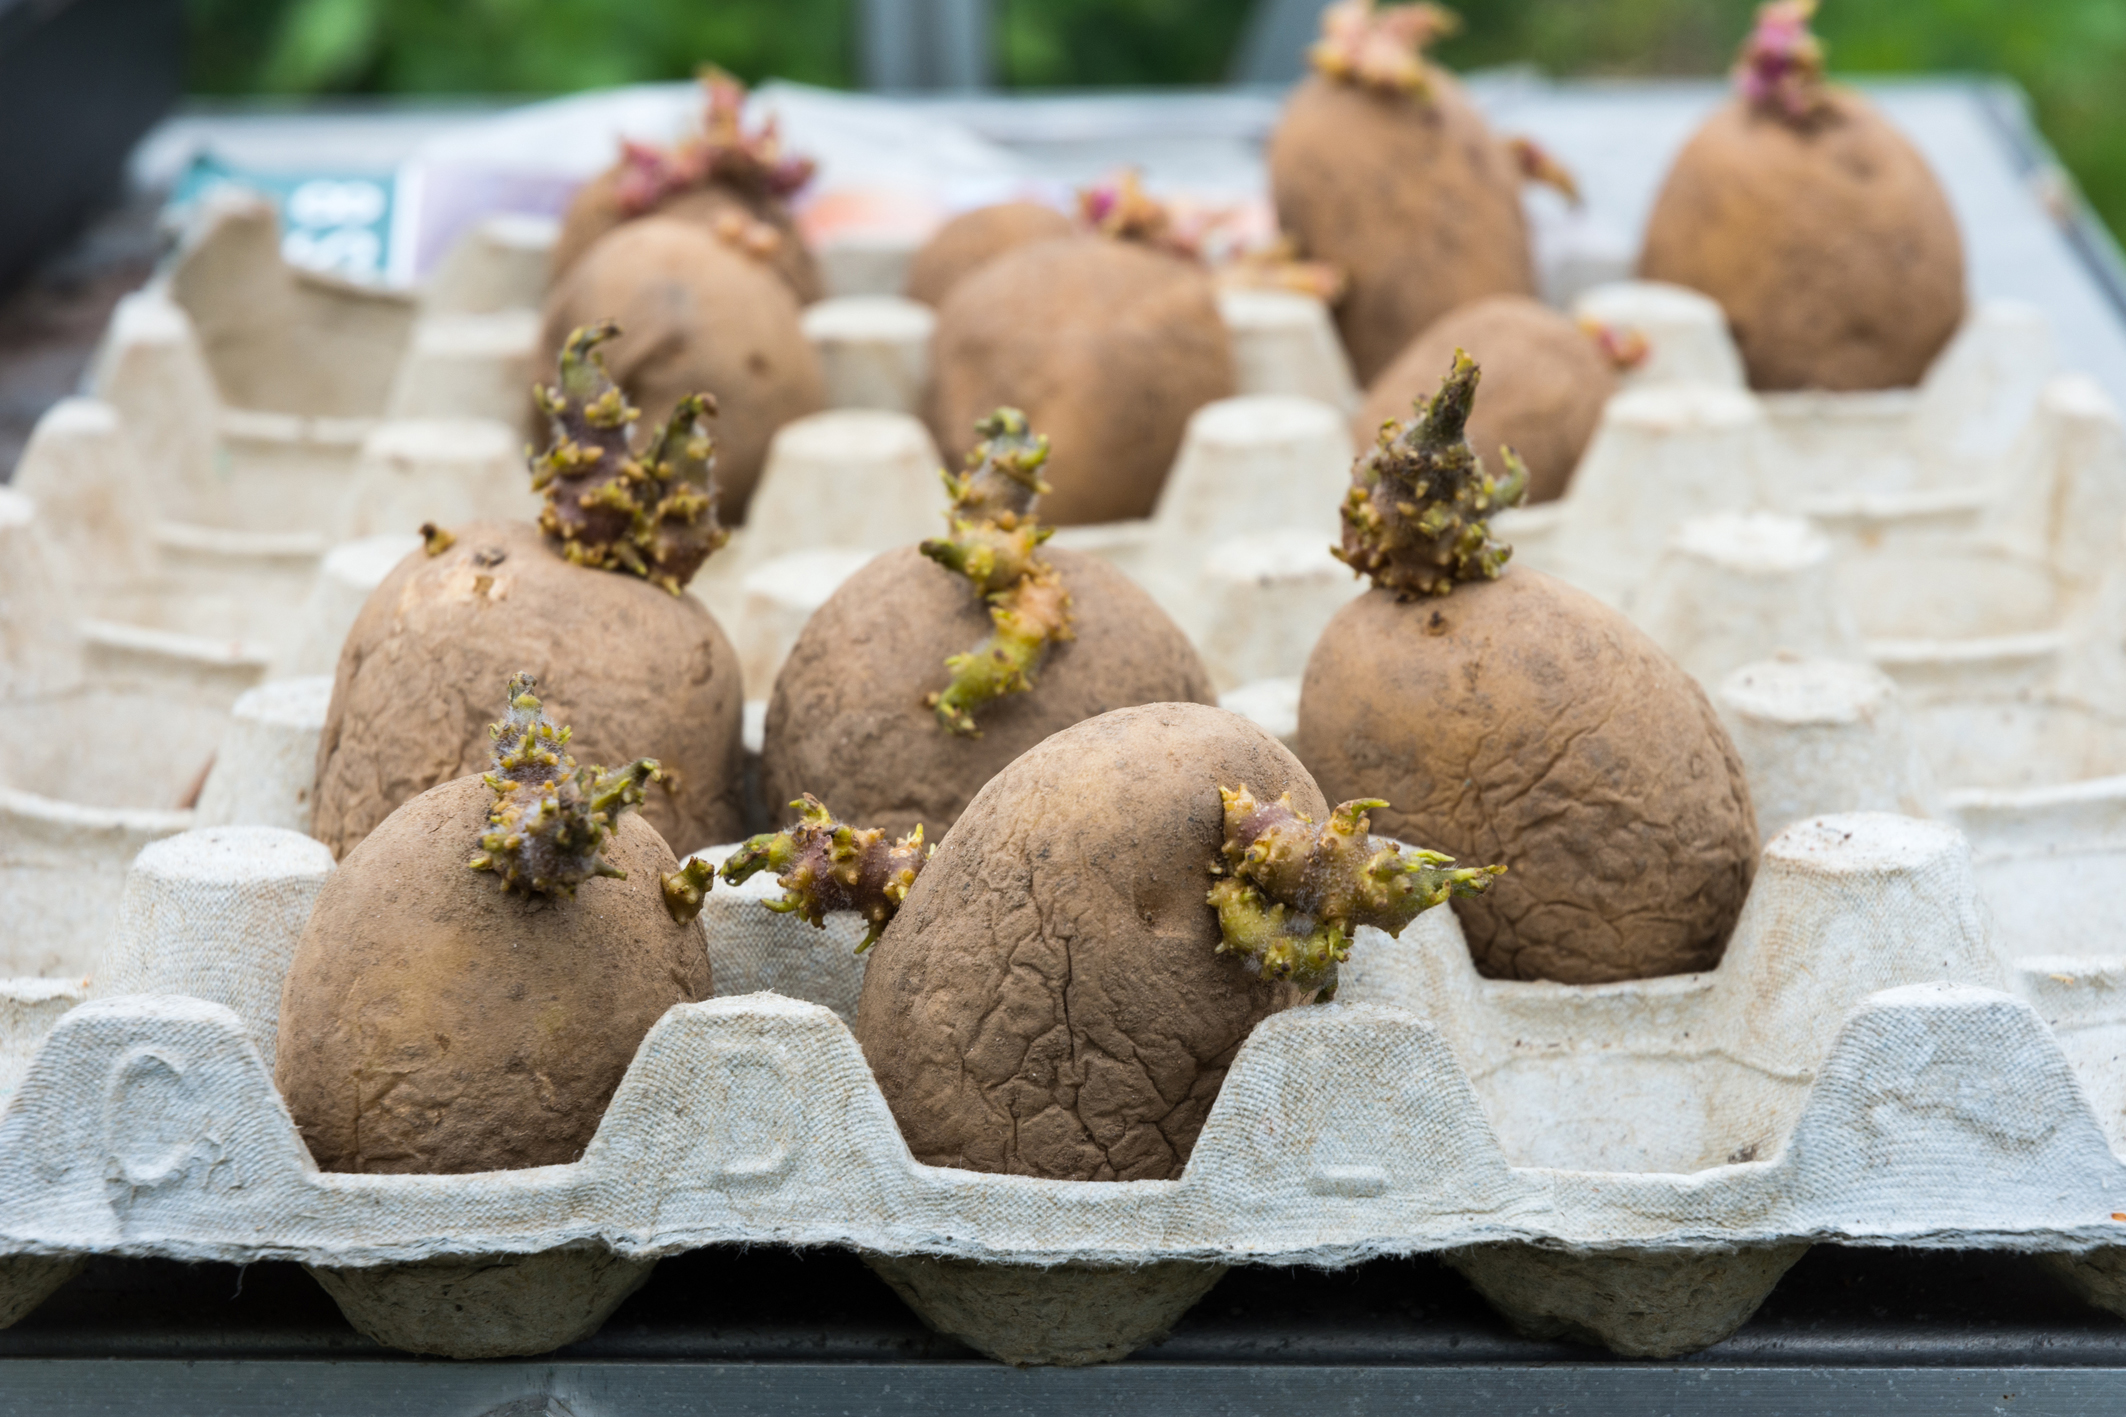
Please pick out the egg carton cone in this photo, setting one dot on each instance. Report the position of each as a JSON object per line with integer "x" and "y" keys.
{"x": 90, "y": 481}
{"x": 347, "y": 576}
{"x": 1634, "y": 1163}
{"x": 874, "y": 350}
{"x": 502, "y": 264}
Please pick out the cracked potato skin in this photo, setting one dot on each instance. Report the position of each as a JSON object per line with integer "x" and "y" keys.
{"x": 1832, "y": 248}
{"x": 973, "y": 239}
{"x": 1416, "y": 200}
{"x": 847, "y": 720}
{"x": 695, "y": 317}
{"x": 1522, "y": 721}
{"x": 1106, "y": 345}
{"x": 434, "y": 1023}
{"x": 1049, "y": 1000}
{"x": 1545, "y": 382}
{"x": 634, "y": 670}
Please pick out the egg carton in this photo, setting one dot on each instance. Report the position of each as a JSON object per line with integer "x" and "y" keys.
{"x": 119, "y": 735}
{"x": 1958, "y": 518}
{"x": 1918, "y": 489}
{"x": 259, "y": 388}
{"x": 1634, "y": 1163}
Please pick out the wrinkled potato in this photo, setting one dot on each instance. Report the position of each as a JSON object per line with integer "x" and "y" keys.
{"x": 1413, "y": 198}
{"x": 1107, "y": 345}
{"x": 1829, "y": 244}
{"x": 847, "y": 721}
{"x": 1521, "y": 721}
{"x": 1050, "y": 1001}
{"x": 434, "y": 1023}
{"x": 642, "y": 671}
{"x": 695, "y": 316}
{"x": 973, "y": 239}
{"x": 1545, "y": 382}
{"x": 595, "y": 210}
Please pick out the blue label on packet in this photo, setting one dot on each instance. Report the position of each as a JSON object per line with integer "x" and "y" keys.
{"x": 337, "y": 223}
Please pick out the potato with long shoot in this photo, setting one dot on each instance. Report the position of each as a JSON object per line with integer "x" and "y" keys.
{"x": 934, "y": 666}
{"x": 1511, "y": 718}
{"x": 590, "y": 601}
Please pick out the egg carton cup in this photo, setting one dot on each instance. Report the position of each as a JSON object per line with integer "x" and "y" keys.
{"x": 1981, "y": 507}
{"x": 1967, "y": 508}
{"x": 1971, "y": 509}
{"x": 119, "y": 735}
{"x": 1634, "y": 1163}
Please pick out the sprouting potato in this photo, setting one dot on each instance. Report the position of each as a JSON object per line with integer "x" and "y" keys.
{"x": 1815, "y": 223}
{"x": 696, "y": 313}
{"x": 932, "y": 667}
{"x": 1543, "y": 394}
{"x": 590, "y": 601}
{"x": 1511, "y": 718}
{"x": 1381, "y": 167}
{"x": 973, "y": 239}
{"x": 478, "y": 973}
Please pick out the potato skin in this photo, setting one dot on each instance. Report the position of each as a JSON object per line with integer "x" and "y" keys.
{"x": 633, "y": 670}
{"x": 973, "y": 239}
{"x": 1832, "y": 250}
{"x": 847, "y": 723}
{"x": 1049, "y": 1001}
{"x": 1522, "y": 721}
{"x": 1106, "y": 345}
{"x": 1418, "y": 202}
{"x": 433, "y": 1023}
{"x": 1542, "y": 393}
{"x": 695, "y": 317}
{"x": 595, "y": 210}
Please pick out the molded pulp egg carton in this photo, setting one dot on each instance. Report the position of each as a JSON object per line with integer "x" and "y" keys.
{"x": 1632, "y": 1163}
{"x": 267, "y": 414}
{"x": 1969, "y": 547}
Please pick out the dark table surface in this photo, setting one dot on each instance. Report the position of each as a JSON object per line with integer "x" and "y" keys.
{"x": 768, "y": 1330}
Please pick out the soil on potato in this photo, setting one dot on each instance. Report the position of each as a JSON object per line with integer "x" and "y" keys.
{"x": 596, "y": 210}
{"x": 1522, "y": 721}
{"x": 1049, "y": 1000}
{"x": 1544, "y": 385}
{"x": 695, "y": 317}
{"x": 847, "y": 722}
{"x": 1832, "y": 249}
{"x": 973, "y": 239}
{"x": 634, "y": 671}
{"x": 1416, "y": 201}
{"x": 1106, "y": 345}
{"x": 432, "y": 1022}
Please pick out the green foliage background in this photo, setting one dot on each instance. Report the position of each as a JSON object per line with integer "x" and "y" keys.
{"x": 2070, "y": 54}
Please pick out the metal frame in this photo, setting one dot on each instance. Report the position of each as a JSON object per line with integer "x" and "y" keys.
{"x": 172, "y": 1387}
